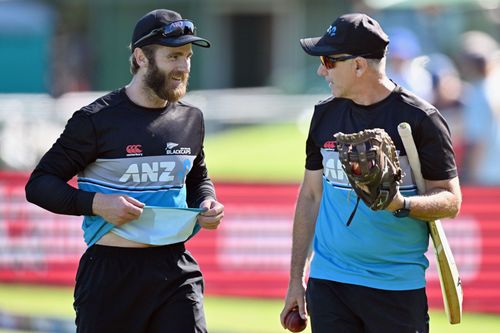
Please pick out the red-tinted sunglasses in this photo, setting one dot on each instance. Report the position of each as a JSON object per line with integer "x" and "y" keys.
{"x": 174, "y": 29}
{"x": 329, "y": 61}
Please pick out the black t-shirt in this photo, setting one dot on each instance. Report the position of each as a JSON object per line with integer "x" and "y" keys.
{"x": 114, "y": 145}
{"x": 429, "y": 129}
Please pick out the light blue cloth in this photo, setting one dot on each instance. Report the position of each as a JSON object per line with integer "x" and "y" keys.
{"x": 161, "y": 225}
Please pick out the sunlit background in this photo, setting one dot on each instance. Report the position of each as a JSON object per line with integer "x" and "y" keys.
{"x": 256, "y": 88}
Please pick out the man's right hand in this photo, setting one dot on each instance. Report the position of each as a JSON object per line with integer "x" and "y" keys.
{"x": 295, "y": 297}
{"x": 117, "y": 209}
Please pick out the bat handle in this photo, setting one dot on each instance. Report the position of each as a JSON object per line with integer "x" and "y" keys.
{"x": 404, "y": 130}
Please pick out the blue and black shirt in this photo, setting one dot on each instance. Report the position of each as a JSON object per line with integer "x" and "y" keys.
{"x": 377, "y": 250}
{"x": 115, "y": 146}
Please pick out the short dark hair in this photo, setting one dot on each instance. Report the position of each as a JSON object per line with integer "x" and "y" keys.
{"x": 149, "y": 51}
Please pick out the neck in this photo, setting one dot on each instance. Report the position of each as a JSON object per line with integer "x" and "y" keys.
{"x": 373, "y": 91}
{"x": 142, "y": 95}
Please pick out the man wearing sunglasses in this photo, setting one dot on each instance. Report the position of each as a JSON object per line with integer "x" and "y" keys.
{"x": 367, "y": 276}
{"x": 143, "y": 189}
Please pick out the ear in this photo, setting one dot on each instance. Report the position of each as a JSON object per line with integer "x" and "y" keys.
{"x": 360, "y": 66}
{"x": 140, "y": 57}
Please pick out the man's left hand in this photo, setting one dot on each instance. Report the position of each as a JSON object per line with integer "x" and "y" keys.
{"x": 212, "y": 216}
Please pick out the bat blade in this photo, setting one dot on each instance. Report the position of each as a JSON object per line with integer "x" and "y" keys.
{"x": 449, "y": 278}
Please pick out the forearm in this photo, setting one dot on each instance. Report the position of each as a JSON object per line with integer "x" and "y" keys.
{"x": 199, "y": 190}
{"x": 434, "y": 206}
{"x": 199, "y": 187}
{"x": 442, "y": 200}
{"x": 303, "y": 232}
{"x": 57, "y": 196}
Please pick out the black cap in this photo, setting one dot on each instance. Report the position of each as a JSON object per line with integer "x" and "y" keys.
{"x": 157, "y": 19}
{"x": 355, "y": 34}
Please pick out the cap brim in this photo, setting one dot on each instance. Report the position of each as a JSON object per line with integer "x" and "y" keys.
{"x": 315, "y": 46}
{"x": 183, "y": 40}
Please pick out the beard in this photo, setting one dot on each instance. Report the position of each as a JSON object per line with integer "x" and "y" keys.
{"x": 160, "y": 82}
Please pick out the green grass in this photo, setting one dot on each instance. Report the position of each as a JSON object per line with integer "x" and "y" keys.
{"x": 263, "y": 153}
{"x": 37, "y": 300}
{"x": 224, "y": 314}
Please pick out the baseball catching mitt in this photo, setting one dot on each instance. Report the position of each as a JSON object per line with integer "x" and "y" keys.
{"x": 371, "y": 164}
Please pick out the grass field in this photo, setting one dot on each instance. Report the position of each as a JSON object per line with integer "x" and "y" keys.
{"x": 224, "y": 314}
{"x": 266, "y": 153}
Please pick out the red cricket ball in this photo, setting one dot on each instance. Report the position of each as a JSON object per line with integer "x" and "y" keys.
{"x": 356, "y": 168}
{"x": 294, "y": 322}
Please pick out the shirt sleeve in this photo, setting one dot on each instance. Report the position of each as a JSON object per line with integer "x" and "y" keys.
{"x": 48, "y": 185}
{"x": 199, "y": 187}
{"x": 433, "y": 141}
{"x": 314, "y": 159}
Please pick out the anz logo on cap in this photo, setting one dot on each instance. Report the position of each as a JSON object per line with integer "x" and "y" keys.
{"x": 332, "y": 30}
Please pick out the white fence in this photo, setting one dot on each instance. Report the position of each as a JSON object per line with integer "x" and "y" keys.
{"x": 30, "y": 123}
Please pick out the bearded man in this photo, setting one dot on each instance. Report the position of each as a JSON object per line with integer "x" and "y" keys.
{"x": 143, "y": 189}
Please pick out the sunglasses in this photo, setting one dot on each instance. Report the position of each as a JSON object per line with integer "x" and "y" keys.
{"x": 329, "y": 61}
{"x": 174, "y": 29}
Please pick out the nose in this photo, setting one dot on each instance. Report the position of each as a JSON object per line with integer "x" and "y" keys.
{"x": 185, "y": 65}
{"x": 321, "y": 71}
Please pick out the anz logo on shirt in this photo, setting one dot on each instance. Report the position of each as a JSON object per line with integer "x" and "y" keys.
{"x": 157, "y": 172}
{"x": 149, "y": 172}
{"x": 332, "y": 167}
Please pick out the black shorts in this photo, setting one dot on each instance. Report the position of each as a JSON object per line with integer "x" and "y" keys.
{"x": 347, "y": 308}
{"x": 153, "y": 290}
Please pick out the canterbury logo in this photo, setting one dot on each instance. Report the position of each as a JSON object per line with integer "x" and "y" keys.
{"x": 134, "y": 149}
{"x": 329, "y": 145}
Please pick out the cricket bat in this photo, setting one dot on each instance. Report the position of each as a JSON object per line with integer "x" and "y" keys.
{"x": 451, "y": 286}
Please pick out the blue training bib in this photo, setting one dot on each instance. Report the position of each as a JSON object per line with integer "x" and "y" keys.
{"x": 160, "y": 225}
